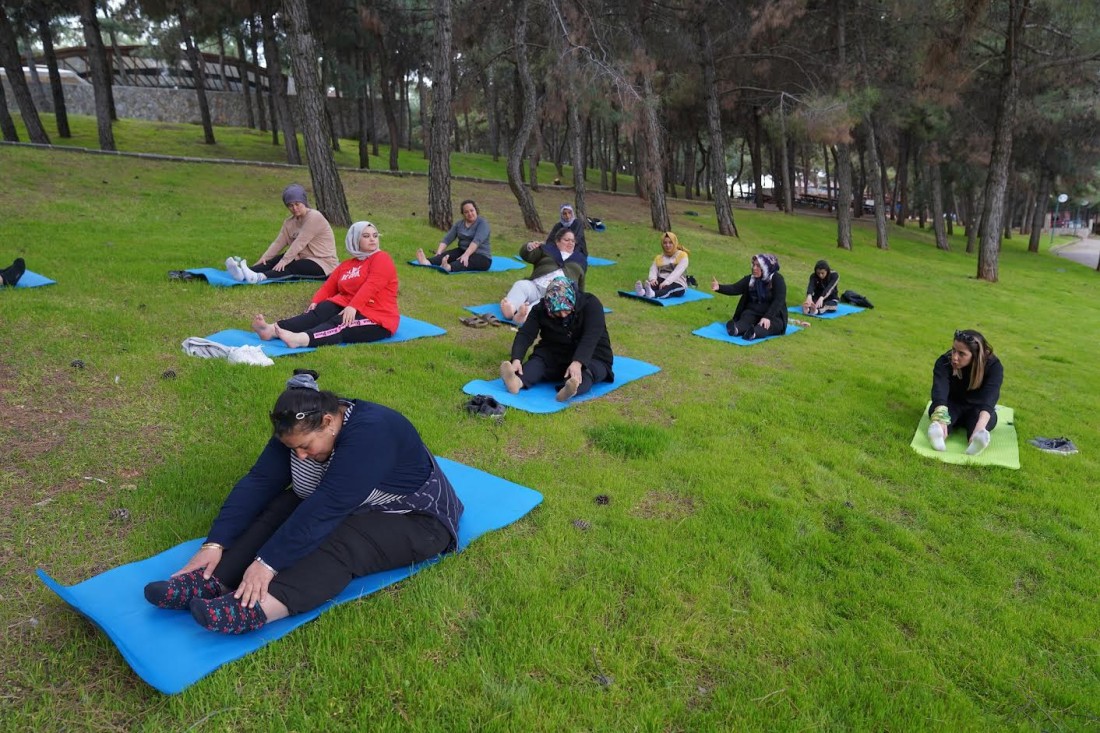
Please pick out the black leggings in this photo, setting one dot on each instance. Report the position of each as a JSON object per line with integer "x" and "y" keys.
{"x": 538, "y": 369}
{"x": 305, "y": 269}
{"x": 325, "y": 326}
{"x": 364, "y": 543}
{"x": 668, "y": 290}
{"x": 750, "y": 321}
{"x": 478, "y": 261}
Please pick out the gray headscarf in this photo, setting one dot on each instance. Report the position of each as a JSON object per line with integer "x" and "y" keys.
{"x": 351, "y": 242}
{"x": 294, "y": 193}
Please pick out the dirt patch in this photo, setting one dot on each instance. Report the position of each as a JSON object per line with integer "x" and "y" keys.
{"x": 664, "y": 505}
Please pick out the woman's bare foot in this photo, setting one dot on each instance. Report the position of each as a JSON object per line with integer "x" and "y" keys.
{"x": 421, "y": 257}
{"x": 446, "y": 263}
{"x": 506, "y": 309}
{"x": 290, "y": 338}
{"x": 521, "y": 314}
{"x": 265, "y": 330}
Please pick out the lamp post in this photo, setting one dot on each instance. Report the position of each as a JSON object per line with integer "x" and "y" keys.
{"x": 1062, "y": 198}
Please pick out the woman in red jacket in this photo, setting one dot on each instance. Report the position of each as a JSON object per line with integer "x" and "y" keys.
{"x": 357, "y": 303}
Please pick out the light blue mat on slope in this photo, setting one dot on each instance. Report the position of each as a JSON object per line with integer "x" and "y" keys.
{"x": 171, "y": 652}
{"x": 33, "y": 280}
{"x": 222, "y": 279}
{"x": 592, "y": 261}
{"x": 541, "y": 398}
{"x": 690, "y": 296}
{"x": 494, "y": 310}
{"x": 842, "y": 309}
{"x": 409, "y": 329}
{"x": 500, "y": 264}
{"x": 717, "y": 331}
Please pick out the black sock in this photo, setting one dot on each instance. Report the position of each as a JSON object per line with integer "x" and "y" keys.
{"x": 226, "y": 615}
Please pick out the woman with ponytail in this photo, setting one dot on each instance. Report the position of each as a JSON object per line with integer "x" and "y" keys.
{"x": 344, "y": 488}
{"x": 966, "y": 384}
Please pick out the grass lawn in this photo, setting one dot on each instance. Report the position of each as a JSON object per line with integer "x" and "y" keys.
{"x": 774, "y": 556}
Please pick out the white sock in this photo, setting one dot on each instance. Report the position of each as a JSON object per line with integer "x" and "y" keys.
{"x": 249, "y": 276}
{"x": 233, "y": 265}
{"x": 978, "y": 443}
{"x": 649, "y": 291}
{"x": 638, "y": 289}
{"x": 936, "y": 436}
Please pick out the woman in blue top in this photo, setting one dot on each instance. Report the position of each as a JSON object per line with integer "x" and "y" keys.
{"x": 344, "y": 488}
{"x": 472, "y": 251}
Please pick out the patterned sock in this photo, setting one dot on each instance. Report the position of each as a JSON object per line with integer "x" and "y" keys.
{"x": 226, "y": 615}
{"x": 176, "y": 593}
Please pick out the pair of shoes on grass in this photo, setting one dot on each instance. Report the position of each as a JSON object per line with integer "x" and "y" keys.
{"x": 480, "y": 321}
{"x": 238, "y": 270}
{"x": 486, "y": 406}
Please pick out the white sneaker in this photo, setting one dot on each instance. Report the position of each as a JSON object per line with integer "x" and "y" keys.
{"x": 936, "y": 436}
{"x": 233, "y": 266}
{"x": 978, "y": 443}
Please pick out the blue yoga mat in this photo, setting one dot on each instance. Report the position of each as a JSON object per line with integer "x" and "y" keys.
{"x": 541, "y": 398}
{"x": 494, "y": 310}
{"x": 33, "y": 280}
{"x": 717, "y": 331}
{"x": 500, "y": 264}
{"x": 592, "y": 261}
{"x": 170, "y": 651}
{"x": 690, "y": 296}
{"x": 409, "y": 329}
{"x": 222, "y": 279}
{"x": 842, "y": 309}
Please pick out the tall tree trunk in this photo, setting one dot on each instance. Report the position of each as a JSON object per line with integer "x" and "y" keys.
{"x": 757, "y": 158}
{"x": 996, "y": 182}
{"x": 489, "y": 89}
{"x": 784, "y": 160}
{"x": 882, "y": 236}
{"x": 723, "y": 209}
{"x": 277, "y": 84}
{"x": 937, "y": 205}
{"x": 362, "y": 107}
{"x": 261, "y": 103}
{"x": 973, "y": 219}
{"x": 9, "y": 58}
{"x": 327, "y": 185}
{"x": 386, "y": 87}
{"x": 534, "y": 156}
{"x": 101, "y": 81}
{"x": 7, "y": 124}
{"x": 439, "y": 137}
{"x": 242, "y": 72}
{"x": 615, "y": 157}
{"x": 901, "y": 180}
{"x": 198, "y": 74}
{"x": 861, "y": 184}
{"x": 843, "y": 156}
{"x": 527, "y": 120}
{"x": 38, "y": 89}
{"x": 1039, "y": 213}
{"x": 58, "y": 91}
{"x": 580, "y": 165}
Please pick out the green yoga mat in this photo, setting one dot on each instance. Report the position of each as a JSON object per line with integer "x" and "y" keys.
{"x": 1003, "y": 450}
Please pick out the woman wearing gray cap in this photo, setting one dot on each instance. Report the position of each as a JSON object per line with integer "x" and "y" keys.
{"x": 304, "y": 249}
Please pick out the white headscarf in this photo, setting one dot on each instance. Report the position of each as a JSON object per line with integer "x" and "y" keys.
{"x": 351, "y": 242}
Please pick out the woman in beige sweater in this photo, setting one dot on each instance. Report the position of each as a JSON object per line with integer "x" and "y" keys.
{"x": 304, "y": 249}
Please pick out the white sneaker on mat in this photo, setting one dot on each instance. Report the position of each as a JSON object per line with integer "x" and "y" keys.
{"x": 233, "y": 266}
{"x": 978, "y": 443}
{"x": 936, "y": 436}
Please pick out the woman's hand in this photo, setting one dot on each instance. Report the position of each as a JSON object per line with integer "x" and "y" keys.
{"x": 207, "y": 559}
{"x": 465, "y": 259}
{"x": 809, "y": 302}
{"x": 714, "y": 284}
{"x": 573, "y": 371}
{"x": 441, "y": 248}
{"x": 517, "y": 366}
{"x": 311, "y": 307}
{"x": 765, "y": 323}
{"x": 820, "y": 303}
{"x": 280, "y": 265}
{"x": 253, "y": 587}
{"x": 348, "y": 315}
{"x": 653, "y": 283}
{"x": 532, "y": 246}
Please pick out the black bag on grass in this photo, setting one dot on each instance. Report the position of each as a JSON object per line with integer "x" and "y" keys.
{"x": 851, "y": 296}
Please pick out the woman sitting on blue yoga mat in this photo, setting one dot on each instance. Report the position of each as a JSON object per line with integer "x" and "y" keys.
{"x": 573, "y": 345}
{"x": 966, "y": 385}
{"x": 548, "y": 262}
{"x": 307, "y": 238}
{"x": 473, "y": 251}
{"x": 344, "y": 488}
{"x": 357, "y": 304}
{"x": 762, "y": 310}
{"x": 667, "y": 273}
{"x": 821, "y": 290}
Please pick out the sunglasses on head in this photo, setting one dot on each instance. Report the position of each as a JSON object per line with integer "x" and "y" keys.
{"x": 967, "y": 338}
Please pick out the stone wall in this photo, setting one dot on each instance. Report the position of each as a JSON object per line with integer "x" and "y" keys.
{"x": 182, "y": 105}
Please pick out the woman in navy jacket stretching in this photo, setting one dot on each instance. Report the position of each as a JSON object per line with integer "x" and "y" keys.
{"x": 344, "y": 488}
